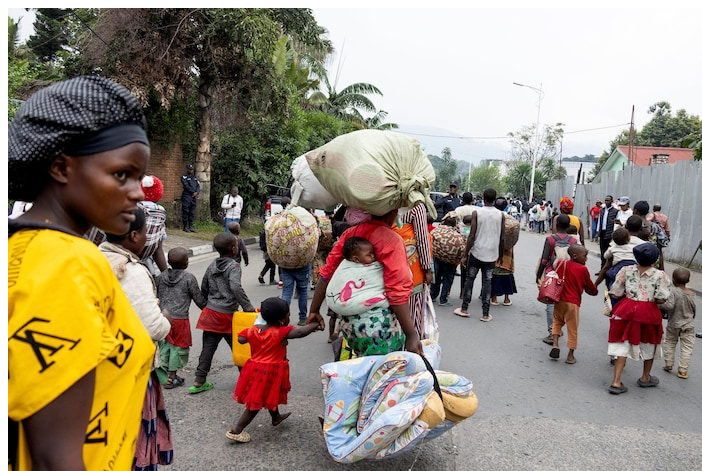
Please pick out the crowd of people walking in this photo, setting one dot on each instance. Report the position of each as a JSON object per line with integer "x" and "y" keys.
{"x": 78, "y": 151}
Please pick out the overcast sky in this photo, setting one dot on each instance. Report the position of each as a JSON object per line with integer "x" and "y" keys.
{"x": 446, "y": 71}
{"x": 454, "y": 69}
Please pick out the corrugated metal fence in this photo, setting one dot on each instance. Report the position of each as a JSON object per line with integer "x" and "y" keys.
{"x": 676, "y": 187}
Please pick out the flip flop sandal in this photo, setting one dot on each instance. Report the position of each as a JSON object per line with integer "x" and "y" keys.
{"x": 486, "y": 319}
{"x": 460, "y": 313}
{"x": 170, "y": 384}
{"x": 242, "y": 437}
{"x": 178, "y": 381}
{"x": 555, "y": 353}
{"x": 648, "y": 384}
{"x": 571, "y": 362}
{"x": 683, "y": 374}
{"x": 508, "y": 303}
{"x": 206, "y": 386}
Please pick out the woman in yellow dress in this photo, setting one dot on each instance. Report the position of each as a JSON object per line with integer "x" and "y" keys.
{"x": 78, "y": 356}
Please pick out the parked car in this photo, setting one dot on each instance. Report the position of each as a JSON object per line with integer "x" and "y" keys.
{"x": 274, "y": 203}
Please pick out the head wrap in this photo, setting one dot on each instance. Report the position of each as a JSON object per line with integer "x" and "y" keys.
{"x": 646, "y": 254}
{"x": 356, "y": 216}
{"x": 567, "y": 204}
{"x": 83, "y": 115}
{"x": 152, "y": 188}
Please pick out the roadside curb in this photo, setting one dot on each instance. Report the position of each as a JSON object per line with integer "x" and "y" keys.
{"x": 209, "y": 248}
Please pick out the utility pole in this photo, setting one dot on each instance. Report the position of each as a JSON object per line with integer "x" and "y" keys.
{"x": 537, "y": 142}
{"x": 629, "y": 157}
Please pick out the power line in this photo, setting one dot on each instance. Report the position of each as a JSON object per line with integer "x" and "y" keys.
{"x": 506, "y": 137}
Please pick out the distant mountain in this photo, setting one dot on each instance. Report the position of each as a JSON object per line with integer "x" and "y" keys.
{"x": 586, "y": 158}
{"x": 434, "y": 140}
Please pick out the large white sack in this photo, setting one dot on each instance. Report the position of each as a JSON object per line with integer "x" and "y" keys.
{"x": 306, "y": 190}
{"x": 373, "y": 170}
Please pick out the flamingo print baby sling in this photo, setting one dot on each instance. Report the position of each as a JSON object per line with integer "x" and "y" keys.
{"x": 356, "y": 288}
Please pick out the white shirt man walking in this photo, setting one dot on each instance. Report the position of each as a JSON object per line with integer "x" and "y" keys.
{"x": 482, "y": 250}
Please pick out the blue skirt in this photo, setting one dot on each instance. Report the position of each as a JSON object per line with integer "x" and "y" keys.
{"x": 503, "y": 285}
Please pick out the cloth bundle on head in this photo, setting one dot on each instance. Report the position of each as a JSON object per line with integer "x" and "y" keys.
{"x": 567, "y": 204}
{"x": 152, "y": 187}
{"x": 78, "y": 117}
{"x": 646, "y": 254}
{"x": 377, "y": 171}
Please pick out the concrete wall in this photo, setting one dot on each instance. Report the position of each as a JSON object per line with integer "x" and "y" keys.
{"x": 676, "y": 187}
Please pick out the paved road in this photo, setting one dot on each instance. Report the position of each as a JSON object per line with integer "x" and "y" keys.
{"x": 534, "y": 413}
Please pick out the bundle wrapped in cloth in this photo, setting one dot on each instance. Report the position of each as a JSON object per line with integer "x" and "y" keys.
{"x": 373, "y": 170}
{"x": 448, "y": 245}
{"x": 292, "y": 236}
{"x": 379, "y": 406}
{"x": 512, "y": 230}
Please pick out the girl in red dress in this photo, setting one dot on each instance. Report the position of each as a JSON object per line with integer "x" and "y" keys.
{"x": 264, "y": 381}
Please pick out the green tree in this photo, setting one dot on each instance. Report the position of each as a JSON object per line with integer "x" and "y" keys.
{"x": 551, "y": 170}
{"x": 540, "y": 181}
{"x": 445, "y": 170}
{"x": 51, "y": 33}
{"x": 376, "y": 122}
{"x": 486, "y": 176}
{"x": 226, "y": 57}
{"x": 346, "y": 104}
{"x": 694, "y": 141}
{"x": 518, "y": 179}
{"x": 529, "y": 143}
{"x": 665, "y": 129}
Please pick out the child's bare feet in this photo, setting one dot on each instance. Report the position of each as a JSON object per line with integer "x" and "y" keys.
{"x": 280, "y": 418}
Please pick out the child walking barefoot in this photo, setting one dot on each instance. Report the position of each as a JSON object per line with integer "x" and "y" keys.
{"x": 264, "y": 381}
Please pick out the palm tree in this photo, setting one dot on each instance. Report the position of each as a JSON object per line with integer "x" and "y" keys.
{"x": 519, "y": 179}
{"x": 347, "y": 103}
{"x": 376, "y": 122}
{"x": 552, "y": 171}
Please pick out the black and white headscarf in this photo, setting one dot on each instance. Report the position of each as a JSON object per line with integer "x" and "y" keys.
{"x": 80, "y": 116}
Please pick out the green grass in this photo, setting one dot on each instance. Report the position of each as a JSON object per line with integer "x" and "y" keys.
{"x": 206, "y": 230}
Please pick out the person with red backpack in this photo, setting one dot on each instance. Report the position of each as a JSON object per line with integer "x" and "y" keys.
{"x": 555, "y": 248}
{"x": 567, "y": 205}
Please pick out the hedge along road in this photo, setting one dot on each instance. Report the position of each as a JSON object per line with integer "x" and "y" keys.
{"x": 534, "y": 413}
